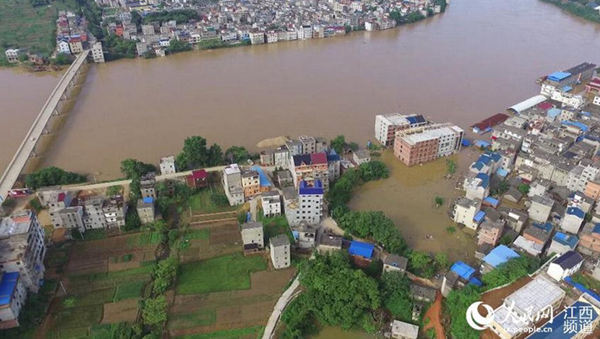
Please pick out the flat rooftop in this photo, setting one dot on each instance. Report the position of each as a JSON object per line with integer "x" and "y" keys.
{"x": 17, "y": 223}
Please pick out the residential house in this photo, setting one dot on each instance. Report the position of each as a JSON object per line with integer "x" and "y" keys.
{"x": 310, "y": 168}
{"x": 197, "y": 179}
{"x": 329, "y": 243}
{"x": 309, "y": 144}
{"x": 565, "y": 265}
{"x": 114, "y": 209}
{"x": 572, "y": 220}
{"x": 75, "y": 44}
{"x": 498, "y": 256}
{"x": 250, "y": 183}
{"x": 515, "y": 218}
{"x": 97, "y": 52}
{"x": 281, "y": 157}
{"x": 284, "y": 178}
{"x": 22, "y": 248}
{"x": 539, "y": 233}
{"x": 291, "y": 206}
{"x": 426, "y": 143}
{"x": 540, "y": 208}
{"x": 12, "y": 55}
{"x": 477, "y": 187}
{"x": 232, "y": 183}
{"x": 387, "y": 125}
{"x": 280, "y": 251}
{"x": 334, "y": 165}
{"x": 394, "y": 263}
{"x": 271, "y": 204}
{"x": 562, "y": 242}
{"x": 147, "y": 186}
{"x": 167, "y": 165}
{"x": 311, "y": 202}
{"x": 402, "y": 330}
{"x": 490, "y": 232}
{"x": 466, "y": 212}
{"x": 69, "y": 218}
{"x": 362, "y": 251}
{"x": 13, "y": 298}
{"x": 252, "y": 236}
{"x": 93, "y": 217}
{"x": 361, "y": 156}
{"x": 513, "y": 195}
{"x": 459, "y": 275}
{"x": 145, "y": 210}
{"x": 306, "y": 235}
{"x": 423, "y": 294}
{"x": 589, "y": 240}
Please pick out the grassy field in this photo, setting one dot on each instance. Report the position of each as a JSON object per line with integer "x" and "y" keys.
{"x": 230, "y": 272}
{"x": 275, "y": 226}
{"x": 210, "y": 200}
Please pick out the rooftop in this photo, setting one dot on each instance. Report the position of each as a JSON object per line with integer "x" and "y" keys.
{"x": 569, "y": 259}
{"x": 500, "y": 255}
{"x": 280, "y": 240}
{"x": 17, "y": 223}
{"x": 463, "y": 270}
{"x": 251, "y": 225}
{"x": 7, "y": 287}
{"x": 362, "y": 249}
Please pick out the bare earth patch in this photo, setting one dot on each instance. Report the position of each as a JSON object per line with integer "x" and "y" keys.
{"x": 125, "y": 310}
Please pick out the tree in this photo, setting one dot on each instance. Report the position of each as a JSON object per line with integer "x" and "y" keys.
{"x": 164, "y": 275}
{"x": 176, "y": 46}
{"x": 441, "y": 260}
{"x": 394, "y": 288}
{"x": 132, "y": 168}
{"x": 154, "y": 310}
{"x": 510, "y": 271}
{"x": 455, "y": 307}
{"x": 132, "y": 219}
{"x": 338, "y": 144}
{"x": 523, "y": 188}
{"x": 450, "y": 166}
{"x": 439, "y": 201}
{"x": 195, "y": 154}
{"x": 236, "y": 154}
{"x": 51, "y": 176}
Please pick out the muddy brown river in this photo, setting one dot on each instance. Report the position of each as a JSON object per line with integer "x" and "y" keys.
{"x": 468, "y": 63}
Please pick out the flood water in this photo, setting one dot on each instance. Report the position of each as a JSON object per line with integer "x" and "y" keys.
{"x": 472, "y": 61}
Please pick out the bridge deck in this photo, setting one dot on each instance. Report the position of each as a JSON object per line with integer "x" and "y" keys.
{"x": 16, "y": 165}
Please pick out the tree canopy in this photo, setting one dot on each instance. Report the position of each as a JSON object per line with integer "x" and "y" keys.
{"x": 132, "y": 168}
{"x": 395, "y": 293}
{"x": 455, "y": 307}
{"x": 510, "y": 271}
{"x": 195, "y": 154}
{"x": 236, "y": 154}
{"x": 51, "y": 176}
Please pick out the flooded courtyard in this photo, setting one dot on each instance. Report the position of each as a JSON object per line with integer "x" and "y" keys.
{"x": 407, "y": 197}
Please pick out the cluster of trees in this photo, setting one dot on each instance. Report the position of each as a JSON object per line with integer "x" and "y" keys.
{"x": 118, "y": 48}
{"x": 180, "y": 15}
{"x": 395, "y": 293}
{"x": 176, "y": 46}
{"x": 334, "y": 294}
{"x": 455, "y": 308}
{"x": 406, "y": 19}
{"x": 510, "y": 271}
{"x": 195, "y": 154}
{"x": 579, "y": 8}
{"x": 132, "y": 168}
{"x": 339, "y": 144}
{"x": 425, "y": 265}
{"x": 51, "y": 176}
{"x": 374, "y": 225}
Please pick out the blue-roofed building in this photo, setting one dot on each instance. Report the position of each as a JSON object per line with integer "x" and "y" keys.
{"x": 488, "y": 163}
{"x": 479, "y": 217}
{"x": 145, "y": 209}
{"x": 477, "y": 187}
{"x": 459, "y": 275}
{"x": 558, "y": 76}
{"x": 334, "y": 163}
{"x": 562, "y": 242}
{"x": 498, "y": 256}
{"x": 361, "y": 249}
{"x": 12, "y": 298}
{"x": 482, "y": 144}
{"x": 309, "y": 204}
{"x": 306, "y": 189}
{"x": 491, "y": 202}
{"x": 264, "y": 181}
{"x": 565, "y": 265}
{"x": 572, "y": 220}
{"x": 502, "y": 172}
{"x": 463, "y": 270}
{"x": 571, "y": 322}
{"x": 553, "y": 113}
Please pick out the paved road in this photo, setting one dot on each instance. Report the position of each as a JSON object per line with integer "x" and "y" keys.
{"x": 81, "y": 187}
{"x": 283, "y": 301}
{"x": 12, "y": 172}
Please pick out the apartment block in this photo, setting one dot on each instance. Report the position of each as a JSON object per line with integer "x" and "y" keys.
{"x": 280, "y": 251}
{"x": 423, "y": 144}
{"x": 386, "y": 126}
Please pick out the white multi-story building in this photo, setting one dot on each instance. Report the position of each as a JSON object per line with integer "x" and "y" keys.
{"x": 167, "y": 165}
{"x": 386, "y": 126}
{"x": 63, "y": 47}
{"x": 252, "y": 235}
{"x": 12, "y": 55}
{"x": 280, "y": 251}
{"x": 232, "y": 183}
{"x": 310, "y": 200}
{"x": 305, "y": 32}
{"x": 23, "y": 248}
{"x": 257, "y": 38}
{"x": 114, "y": 210}
{"x": 93, "y": 217}
{"x": 97, "y": 52}
{"x": 271, "y": 37}
{"x": 70, "y": 218}
{"x": 580, "y": 175}
{"x": 271, "y": 204}
{"x": 465, "y": 212}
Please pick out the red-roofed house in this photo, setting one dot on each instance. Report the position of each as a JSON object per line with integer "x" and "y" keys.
{"x": 593, "y": 86}
{"x": 545, "y": 105}
{"x": 198, "y": 179}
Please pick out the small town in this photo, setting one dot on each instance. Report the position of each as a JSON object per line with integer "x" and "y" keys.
{"x": 211, "y": 243}
{"x": 125, "y": 29}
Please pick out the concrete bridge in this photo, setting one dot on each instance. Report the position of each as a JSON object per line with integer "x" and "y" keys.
{"x": 52, "y": 107}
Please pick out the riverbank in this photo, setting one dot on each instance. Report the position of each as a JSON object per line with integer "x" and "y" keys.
{"x": 586, "y": 12}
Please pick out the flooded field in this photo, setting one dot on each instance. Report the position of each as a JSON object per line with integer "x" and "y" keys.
{"x": 407, "y": 197}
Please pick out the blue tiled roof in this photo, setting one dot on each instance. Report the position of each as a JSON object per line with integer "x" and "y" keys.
{"x": 148, "y": 200}
{"x": 263, "y": 179}
{"x": 559, "y": 76}
{"x": 478, "y": 165}
{"x": 543, "y": 226}
{"x": 596, "y": 228}
{"x": 553, "y": 112}
{"x": 479, "y": 216}
{"x": 475, "y": 281}
{"x": 462, "y": 270}
{"x": 568, "y": 240}
{"x": 492, "y": 201}
{"x": 500, "y": 255}
{"x": 482, "y": 143}
{"x": 495, "y": 156}
{"x": 502, "y": 172}
{"x": 485, "y": 158}
{"x": 362, "y": 249}
{"x": 333, "y": 156}
{"x": 576, "y": 212}
{"x": 305, "y": 189}
{"x": 485, "y": 179}
{"x": 557, "y": 329}
{"x": 577, "y": 124}
{"x": 415, "y": 119}
{"x": 7, "y": 286}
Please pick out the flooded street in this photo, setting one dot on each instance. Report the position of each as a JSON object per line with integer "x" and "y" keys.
{"x": 466, "y": 64}
{"x": 407, "y": 197}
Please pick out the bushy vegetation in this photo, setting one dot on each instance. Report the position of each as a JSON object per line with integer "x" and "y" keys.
{"x": 132, "y": 168}
{"x": 374, "y": 225}
{"x": 237, "y": 154}
{"x": 181, "y": 16}
{"x": 395, "y": 293}
{"x": 510, "y": 271}
{"x": 195, "y": 154}
{"x": 578, "y": 7}
{"x": 455, "y": 307}
{"x": 176, "y": 46}
{"x": 51, "y": 176}
{"x": 334, "y": 294}
{"x": 425, "y": 265}
{"x": 341, "y": 192}
{"x": 116, "y": 48}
